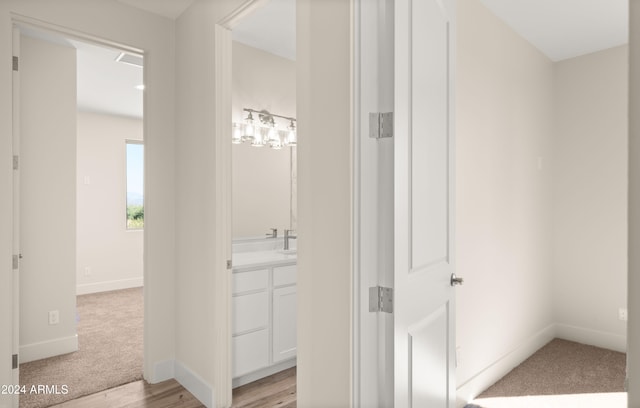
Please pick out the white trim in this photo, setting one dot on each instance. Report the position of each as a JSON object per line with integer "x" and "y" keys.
{"x": 611, "y": 341}
{"x": 163, "y": 371}
{"x": 493, "y": 372}
{"x": 222, "y": 355}
{"x": 48, "y": 348}
{"x": 195, "y": 385}
{"x": 97, "y": 287}
{"x": 15, "y": 144}
{"x": 265, "y": 372}
{"x": 356, "y": 310}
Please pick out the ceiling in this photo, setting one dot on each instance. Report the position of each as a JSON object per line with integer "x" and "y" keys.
{"x": 561, "y": 29}
{"x": 271, "y": 28}
{"x": 103, "y": 84}
{"x": 564, "y": 29}
{"x": 167, "y": 8}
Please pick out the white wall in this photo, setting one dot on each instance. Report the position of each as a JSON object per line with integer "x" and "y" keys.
{"x": 153, "y": 34}
{"x": 325, "y": 203}
{"x": 261, "y": 176}
{"x": 47, "y": 198}
{"x": 112, "y": 253}
{"x": 202, "y": 282}
{"x": 590, "y": 197}
{"x": 542, "y": 213}
{"x": 504, "y": 125}
{"x": 633, "y": 353}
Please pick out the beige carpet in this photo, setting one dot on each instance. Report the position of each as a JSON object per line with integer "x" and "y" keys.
{"x": 564, "y": 367}
{"x": 110, "y": 350}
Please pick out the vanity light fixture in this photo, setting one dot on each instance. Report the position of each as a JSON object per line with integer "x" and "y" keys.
{"x": 264, "y": 131}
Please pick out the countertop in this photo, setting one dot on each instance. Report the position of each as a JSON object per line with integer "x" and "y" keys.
{"x": 262, "y": 258}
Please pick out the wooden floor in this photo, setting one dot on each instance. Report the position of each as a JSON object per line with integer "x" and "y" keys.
{"x": 278, "y": 390}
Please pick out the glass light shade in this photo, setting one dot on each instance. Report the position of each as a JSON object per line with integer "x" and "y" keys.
{"x": 273, "y": 136}
{"x": 236, "y": 135}
{"x": 249, "y": 129}
{"x": 257, "y": 140}
{"x": 292, "y": 137}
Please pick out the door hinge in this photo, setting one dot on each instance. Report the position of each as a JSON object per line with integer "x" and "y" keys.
{"x": 229, "y": 264}
{"x": 14, "y": 361}
{"x": 381, "y": 299}
{"x": 16, "y": 261}
{"x": 16, "y": 63}
{"x": 16, "y": 162}
{"x": 380, "y": 125}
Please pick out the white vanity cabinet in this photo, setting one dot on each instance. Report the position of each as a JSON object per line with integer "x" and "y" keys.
{"x": 264, "y": 320}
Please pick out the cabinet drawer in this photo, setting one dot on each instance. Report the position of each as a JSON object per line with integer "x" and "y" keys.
{"x": 250, "y": 312}
{"x": 250, "y": 352}
{"x": 250, "y": 280}
{"x": 284, "y": 275}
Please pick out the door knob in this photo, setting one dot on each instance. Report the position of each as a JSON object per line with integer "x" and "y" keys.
{"x": 456, "y": 280}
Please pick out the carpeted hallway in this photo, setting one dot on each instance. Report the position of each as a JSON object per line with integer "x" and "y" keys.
{"x": 559, "y": 368}
{"x": 110, "y": 327}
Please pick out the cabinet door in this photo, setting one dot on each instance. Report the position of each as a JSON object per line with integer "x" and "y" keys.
{"x": 250, "y": 352}
{"x": 284, "y": 323}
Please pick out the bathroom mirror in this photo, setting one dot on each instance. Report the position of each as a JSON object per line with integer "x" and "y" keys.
{"x": 264, "y": 179}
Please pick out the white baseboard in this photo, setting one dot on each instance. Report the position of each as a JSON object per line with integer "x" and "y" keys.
{"x": 611, "y": 341}
{"x": 163, "y": 371}
{"x": 195, "y": 385}
{"x": 473, "y": 387}
{"x": 265, "y": 372}
{"x": 49, "y": 348}
{"x": 97, "y": 287}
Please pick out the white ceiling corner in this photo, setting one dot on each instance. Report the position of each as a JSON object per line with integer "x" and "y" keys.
{"x": 564, "y": 29}
{"x": 271, "y": 28}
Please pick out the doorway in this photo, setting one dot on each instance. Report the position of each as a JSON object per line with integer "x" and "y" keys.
{"x": 264, "y": 186}
{"x": 74, "y": 234}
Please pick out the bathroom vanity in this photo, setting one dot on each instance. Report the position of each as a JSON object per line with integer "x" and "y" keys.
{"x": 264, "y": 310}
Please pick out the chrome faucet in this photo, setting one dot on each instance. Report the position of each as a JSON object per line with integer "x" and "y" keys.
{"x": 287, "y": 237}
{"x": 273, "y": 233}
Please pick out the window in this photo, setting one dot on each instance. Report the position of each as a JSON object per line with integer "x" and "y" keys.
{"x": 135, "y": 185}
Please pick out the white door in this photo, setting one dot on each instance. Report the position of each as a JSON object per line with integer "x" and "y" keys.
{"x": 16, "y": 210}
{"x": 424, "y": 204}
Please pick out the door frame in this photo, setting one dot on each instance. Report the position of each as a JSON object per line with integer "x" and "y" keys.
{"x": 16, "y": 207}
{"x": 372, "y": 340}
{"x": 23, "y": 21}
{"x": 368, "y": 357}
{"x": 222, "y": 353}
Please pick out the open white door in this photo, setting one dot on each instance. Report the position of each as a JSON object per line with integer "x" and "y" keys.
{"x": 16, "y": 211}
{"x": 424, "y": 343}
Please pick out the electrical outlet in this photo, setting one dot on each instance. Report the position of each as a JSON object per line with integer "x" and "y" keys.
{"x": 87, "y": 271}
{"x": 54, "y": 317}
{"x": 622, "y": 314}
